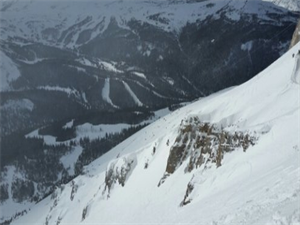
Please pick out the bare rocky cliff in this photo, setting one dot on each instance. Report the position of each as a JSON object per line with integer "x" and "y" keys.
{"x": 296, "y": 35}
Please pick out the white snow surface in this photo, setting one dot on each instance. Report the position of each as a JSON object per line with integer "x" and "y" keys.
{"x": 68, "y": 124}
{"x": 99, "y": 131}
{"x": 134, "y": 97}
{"x": 260, "y": 186}
{"x": 8, "y": 72}
{"x": 70, "y": 159}
{"x": 109, "y": 67}
{"x": 67, "y": 90}
{"x": 106, "y": 92}
{"x": 139, "y": 74}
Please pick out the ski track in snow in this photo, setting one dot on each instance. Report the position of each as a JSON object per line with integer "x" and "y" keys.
{"x": 106, "y": 92}
{"x": 134, "y": 97}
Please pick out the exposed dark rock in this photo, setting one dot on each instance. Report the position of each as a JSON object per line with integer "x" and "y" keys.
{"x": 296, "y": 35}
{"x": 186, "y": 200}
{"x": 201, "y": 143}
{"x": 74, "y": 189}
{"x": 118, "y": 172}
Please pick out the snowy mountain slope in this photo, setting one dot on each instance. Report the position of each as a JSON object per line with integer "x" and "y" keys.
{"x": 86, "y": 57}
{"x": 61, "y": 157}
{"x": 256, "y": 184}
{"x": 9, "y": 72}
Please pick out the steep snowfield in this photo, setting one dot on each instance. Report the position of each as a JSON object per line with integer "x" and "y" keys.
{"x": 259, "y": 186}
{"x": 9, "y": 72}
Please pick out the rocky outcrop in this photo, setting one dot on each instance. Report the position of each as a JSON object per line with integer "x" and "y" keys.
{"x": 296, "y": 35}
{"x": 118, "y": 172}
{"x": 202, "y": 143}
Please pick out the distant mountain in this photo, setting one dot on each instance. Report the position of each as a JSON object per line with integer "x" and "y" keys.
{"x": 229, "y": 158}
{"x": 108, "y": 55}
{"x": 292, "y": 5}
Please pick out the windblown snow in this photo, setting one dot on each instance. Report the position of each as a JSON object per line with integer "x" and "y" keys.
{"x": 257, "y": 186}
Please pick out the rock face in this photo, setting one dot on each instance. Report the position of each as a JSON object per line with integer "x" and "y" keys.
{"x": 117, "y": 173}
{"x": 203, "y": 144}
{"x": 296, "y": 35}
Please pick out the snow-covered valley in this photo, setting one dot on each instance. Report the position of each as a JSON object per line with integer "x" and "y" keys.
{"x": 254, "y": 185}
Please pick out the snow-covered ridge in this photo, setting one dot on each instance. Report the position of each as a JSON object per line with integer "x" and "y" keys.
{"x": 63, "y": 23}
{"x": 259, "y": 186}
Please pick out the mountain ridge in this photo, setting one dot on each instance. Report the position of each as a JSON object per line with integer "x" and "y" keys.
{"x": 103, "y": 66}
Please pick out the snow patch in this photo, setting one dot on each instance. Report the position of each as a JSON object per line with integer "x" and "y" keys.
{"x": 247, "y": 46}
{"x": 8, "y": 72}
{"x": 139, "y": 74}
{"x": 48, "y": 139}
{"x": 67, "y": 90}
{"x": 134, "y": 97}
{"x": 68, "y": 125}
{"x": 109, "y": 67}
{"x": 106, "y": 91}
{"x": 169, "y": 80}
{"x": 70, "y": 159}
